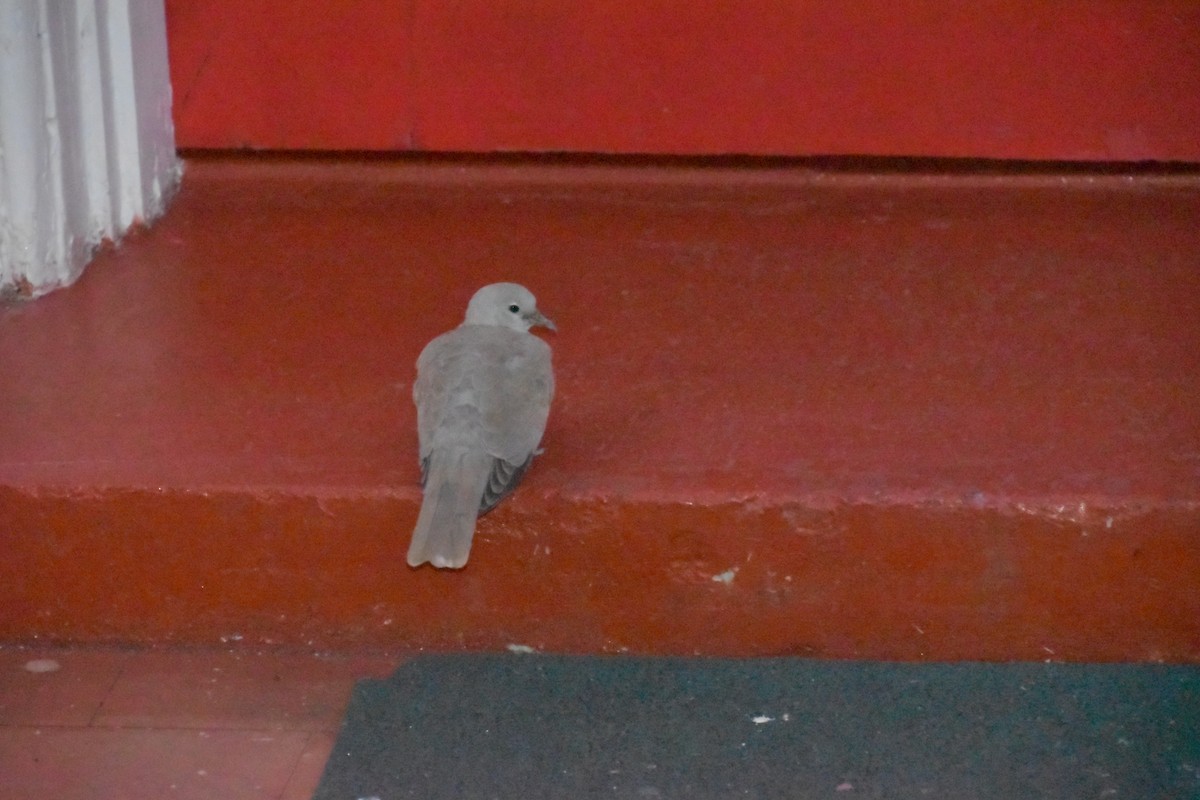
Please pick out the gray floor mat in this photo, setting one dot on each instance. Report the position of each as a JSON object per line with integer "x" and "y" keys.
{"x": 534, "y": 726}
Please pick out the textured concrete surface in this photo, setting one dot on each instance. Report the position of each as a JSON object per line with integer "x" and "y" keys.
{"x": 893, "y": 416}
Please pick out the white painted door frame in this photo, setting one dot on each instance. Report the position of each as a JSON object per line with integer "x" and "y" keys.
{"x": 87, "y": 145}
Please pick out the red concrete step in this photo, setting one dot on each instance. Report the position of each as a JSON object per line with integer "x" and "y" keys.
{"x": 865, "y": 415}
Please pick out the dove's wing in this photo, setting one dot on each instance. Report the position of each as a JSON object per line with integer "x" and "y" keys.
{"x": 484, "y": 386}
{"x": 483, "y": 396}
{"x": 503, "y": 478}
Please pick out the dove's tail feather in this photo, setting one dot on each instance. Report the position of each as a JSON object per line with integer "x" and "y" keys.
{"x": 454, "y": 485}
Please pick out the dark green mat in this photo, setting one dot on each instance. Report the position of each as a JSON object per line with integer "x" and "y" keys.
{"x": 470, "y": 726}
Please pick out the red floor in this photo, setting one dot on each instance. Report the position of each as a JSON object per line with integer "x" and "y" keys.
{"x": 146, "y": 725}
{"x": 853, "y": 415}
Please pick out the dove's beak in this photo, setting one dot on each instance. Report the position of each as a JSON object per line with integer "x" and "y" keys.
{"x": 535, "y": 318}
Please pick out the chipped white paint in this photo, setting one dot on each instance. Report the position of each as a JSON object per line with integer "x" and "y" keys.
{"x": 523, "y": 649}
{"x": 762, "y": 719}
{"x": 726, "y": 577}
{"x": 87, "y": 145}
{"x": 42, "y": 665}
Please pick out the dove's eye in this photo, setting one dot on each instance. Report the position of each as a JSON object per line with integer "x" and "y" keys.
{"x": 514, "y": 309}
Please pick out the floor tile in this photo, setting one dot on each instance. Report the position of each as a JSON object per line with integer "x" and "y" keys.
{"x": 55, "y": 686}
{"x": 99, "y": 764}
{"x": 221, "y": 690}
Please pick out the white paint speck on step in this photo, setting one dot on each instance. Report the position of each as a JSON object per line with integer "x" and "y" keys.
{"x": 42, "y": 665}
{"x": 725, "y": 577}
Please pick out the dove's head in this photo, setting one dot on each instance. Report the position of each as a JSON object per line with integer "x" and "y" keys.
{"x": 508, "y": 305}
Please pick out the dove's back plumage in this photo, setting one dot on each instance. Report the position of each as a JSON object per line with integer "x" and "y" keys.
{"x": 483, "y": 396}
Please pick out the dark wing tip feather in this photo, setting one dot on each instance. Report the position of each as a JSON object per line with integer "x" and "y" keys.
{"x": 503, "y": 479}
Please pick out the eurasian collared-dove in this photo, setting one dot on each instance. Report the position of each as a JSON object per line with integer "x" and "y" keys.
{"x": 483, "y": 395}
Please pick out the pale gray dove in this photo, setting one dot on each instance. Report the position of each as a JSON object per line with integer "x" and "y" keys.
{"x": 483, "y": 394}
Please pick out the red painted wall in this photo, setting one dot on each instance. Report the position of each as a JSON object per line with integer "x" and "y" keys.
{"x": 1024, "y": 79}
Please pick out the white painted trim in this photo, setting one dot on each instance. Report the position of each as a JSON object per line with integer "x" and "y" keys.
{"x": 87, "y": 145}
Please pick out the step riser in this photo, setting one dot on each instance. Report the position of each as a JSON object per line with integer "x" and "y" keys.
{"x": 879, "y": 582}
